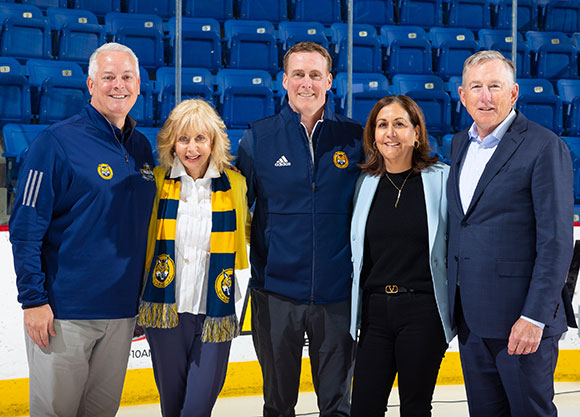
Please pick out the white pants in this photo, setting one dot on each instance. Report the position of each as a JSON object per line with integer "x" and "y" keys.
{"x": 82, "y": 371}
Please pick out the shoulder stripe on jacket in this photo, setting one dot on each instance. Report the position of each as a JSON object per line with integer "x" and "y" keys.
{"x": 32, "y": 188}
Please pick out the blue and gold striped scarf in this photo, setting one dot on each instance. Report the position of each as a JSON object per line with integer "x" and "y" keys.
{"x": 158, "y": 306}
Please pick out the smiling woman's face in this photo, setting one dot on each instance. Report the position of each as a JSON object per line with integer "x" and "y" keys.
{"x": 395, "y": 136}
{"x": 193, "y": 150}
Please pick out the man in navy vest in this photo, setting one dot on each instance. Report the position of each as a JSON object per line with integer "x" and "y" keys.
{"x": 301, "y": 168}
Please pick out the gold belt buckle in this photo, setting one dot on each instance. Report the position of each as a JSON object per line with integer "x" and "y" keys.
{"x": 391, "y": 289}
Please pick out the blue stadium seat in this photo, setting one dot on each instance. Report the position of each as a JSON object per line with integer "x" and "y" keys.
{"x": 25, "y": 32}
{"x": 43, "y": 4}
{"x": 291, "y": 33}
{"x": 201, "y": 35}
{"x": 98, "y": 7}
{"x": 58, "y": 89}
{"x": 195, "y": 83}
{"x": 251, "y": 44}
{"x": 527, "y": 14}
{"x": 407, "y": 50}
{"x": 573, "y": 143}
{"x": 538, "y": 102}
{"x": 444, "y": 150}
{"x": 161, "y": 8}
{"x": 76, "y": 33}
{"x": 429, "y": 93}
{"x": 151, "y": 135}
{"x": 452, "y": 47}
{"x": 424, "y": 13}
{"x": 560, "y": 15}
{"x": 142, "y": 111}
{"x": 143, "y": 33}
{"x": 234, "y": 135}
{"x": 434, "y": 145}
{"x": 472, "y": 14}
{"x": 460, "y": 118}
{"x": 554, "y": 56}
{"x": 501, "y": 40}
{"x": 323, "y": 11}
{"x": 366, "y": 48}
{"x": 273, "y": 10}
{"x": 374, "y": 12}
{"x": 17, "y": 138}
{"x": 576, "y": 39}
{"x": 14, "y": 92}
{"x": 220, "y": 10}
{"x": 244, "y": 96}
{"x": 569, "y": 92}
{"x": 367, "y": 89}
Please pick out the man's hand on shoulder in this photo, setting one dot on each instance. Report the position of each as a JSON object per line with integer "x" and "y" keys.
{"x": 524, "y": 338}
{"x": 39, "y": 324}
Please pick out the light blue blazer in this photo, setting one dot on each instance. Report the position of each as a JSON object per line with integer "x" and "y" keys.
{"x": 434, "y": 186}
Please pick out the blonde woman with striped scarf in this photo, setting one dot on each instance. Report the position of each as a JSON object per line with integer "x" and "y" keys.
{"x": 197, "y": 239}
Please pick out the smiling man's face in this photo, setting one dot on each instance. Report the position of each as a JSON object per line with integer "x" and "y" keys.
{"x": 116, "y": 86}
{"x": 488, "y": 93}
{"x": 307, "y": 80}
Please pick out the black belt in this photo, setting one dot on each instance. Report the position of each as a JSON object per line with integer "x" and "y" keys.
{"x": 393, "y": 289}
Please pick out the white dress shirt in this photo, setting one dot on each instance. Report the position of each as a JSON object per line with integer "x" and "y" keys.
{"x": 477, "y": 156}
{"x": 192, "y": 238}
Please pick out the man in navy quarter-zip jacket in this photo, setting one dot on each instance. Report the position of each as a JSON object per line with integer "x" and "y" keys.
{"x": 301, "y": 168}
{"x": 78, "y": 232}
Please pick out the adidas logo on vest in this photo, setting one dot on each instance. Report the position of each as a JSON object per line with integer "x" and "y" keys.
{"x": 282, "y": 162}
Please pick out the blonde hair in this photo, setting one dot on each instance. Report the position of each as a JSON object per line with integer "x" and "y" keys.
{"x": 197, "y": 116}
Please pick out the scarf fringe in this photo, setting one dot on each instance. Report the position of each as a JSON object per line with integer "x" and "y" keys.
{"x": 220, "y": 329}
{"x": 159, "y": 315}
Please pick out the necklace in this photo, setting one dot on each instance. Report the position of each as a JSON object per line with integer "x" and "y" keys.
{"x": 398, "y": 189}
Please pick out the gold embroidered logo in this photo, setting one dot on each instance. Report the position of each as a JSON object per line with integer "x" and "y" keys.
{"x": 340, "y": 159}
{"x": 164, "y": 271}
{"x": 223, "y": 285}
{"x": 105, "y": 171}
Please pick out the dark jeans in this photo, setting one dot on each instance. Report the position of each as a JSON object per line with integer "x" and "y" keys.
{"x": 399, "y": 334}
{"x": 278, "y": 327}
{"x": 189, "y": 373}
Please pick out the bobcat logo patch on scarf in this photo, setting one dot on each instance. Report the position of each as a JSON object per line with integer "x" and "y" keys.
{"x": 164, "y": 271}
{"x": 223, "y": 285}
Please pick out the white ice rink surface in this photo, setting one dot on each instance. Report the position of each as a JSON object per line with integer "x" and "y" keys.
{"x": 449, "y": 401}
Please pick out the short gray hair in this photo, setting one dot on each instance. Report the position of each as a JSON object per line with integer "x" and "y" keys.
{"x": 111, "y": 46}
{"x": 484, "y": 56}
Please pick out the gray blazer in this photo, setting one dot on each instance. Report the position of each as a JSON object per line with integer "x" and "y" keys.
{"x": 434, "y": 186}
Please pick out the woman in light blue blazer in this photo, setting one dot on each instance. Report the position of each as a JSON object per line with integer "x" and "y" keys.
{"x": 399, "y": 248}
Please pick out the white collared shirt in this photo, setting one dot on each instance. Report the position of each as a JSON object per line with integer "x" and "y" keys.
{"x": 477, "y": 156}
{"x": 192, "y": 238}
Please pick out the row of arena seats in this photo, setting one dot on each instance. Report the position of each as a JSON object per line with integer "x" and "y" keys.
{"x": 44, "y": 92}
{"x": 442, "y": 107}
{"x": 72, "y": 35}
{"x": 550, "y": 15}
{"x": 48, "y": 91}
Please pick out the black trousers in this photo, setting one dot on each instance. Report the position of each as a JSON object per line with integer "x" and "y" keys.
{"x": 399, "y": 334}
{"x": 278, "y": 328}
